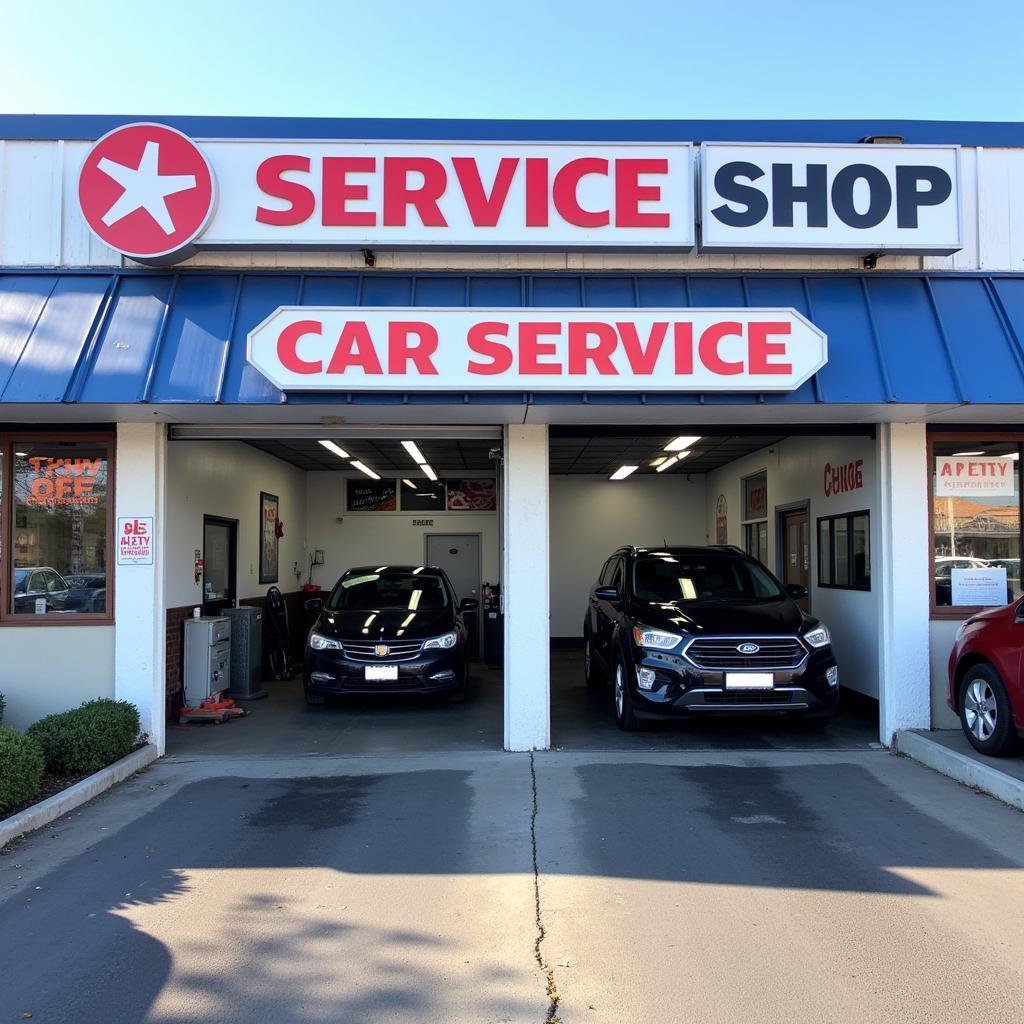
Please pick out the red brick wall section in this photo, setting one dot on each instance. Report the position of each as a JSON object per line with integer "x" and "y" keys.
{"x": 175, "y": 643}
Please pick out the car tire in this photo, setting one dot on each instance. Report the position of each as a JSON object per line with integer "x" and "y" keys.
{"x": 625, "y": 717}
{"x": 591, "y": 673}
{"x": 985, "y": 712}
{"x": 459, "y": 696}
{"x": 315, "y": 700}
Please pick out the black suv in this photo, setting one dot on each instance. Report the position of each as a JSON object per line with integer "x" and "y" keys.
{"x": 691, "y": 630}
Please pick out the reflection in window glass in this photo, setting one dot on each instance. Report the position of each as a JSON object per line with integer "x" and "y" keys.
{"x": 824, "y": 552}
{"x": 860, "y": 575}
{"x": 59, "y": 528}
{"x": 840, "y": 541}
{"x": 975, "y": 518}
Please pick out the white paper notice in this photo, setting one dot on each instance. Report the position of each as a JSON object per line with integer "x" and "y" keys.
{"x": 979, "y": 586}
{"x": 965, "y": 477}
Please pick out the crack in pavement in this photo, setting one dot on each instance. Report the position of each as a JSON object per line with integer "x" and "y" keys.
{"x": 548, "y": 971}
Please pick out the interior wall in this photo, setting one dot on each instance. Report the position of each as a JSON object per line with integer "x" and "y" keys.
{"x": 358, "y": 538}
{"x": 591, "y": 516}
{"x": 942, "y": 635}
{"x": 795, "y": 469}
{"x": 224, "y": 478}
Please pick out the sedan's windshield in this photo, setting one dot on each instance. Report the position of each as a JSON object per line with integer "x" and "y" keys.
{"x": 668, "y": 578}
{"x": 372, "y": 591}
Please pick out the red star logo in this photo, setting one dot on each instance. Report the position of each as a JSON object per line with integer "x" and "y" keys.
{"x": 147, "y": 191}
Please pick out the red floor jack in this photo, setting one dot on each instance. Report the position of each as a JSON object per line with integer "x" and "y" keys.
{"x": 216, "y": 708}
{"x": 207, "y": 665}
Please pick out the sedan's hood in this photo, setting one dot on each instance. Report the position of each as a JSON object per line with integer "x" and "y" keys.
{"x": 385, "y": 623}
{"x": 754, "y": 618}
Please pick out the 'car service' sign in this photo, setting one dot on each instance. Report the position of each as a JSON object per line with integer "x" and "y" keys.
{"x": 304, "y": 348}
{"x": 862, "y": 198}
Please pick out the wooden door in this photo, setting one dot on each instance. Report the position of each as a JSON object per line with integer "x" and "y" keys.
{"x": 796, "y": 551}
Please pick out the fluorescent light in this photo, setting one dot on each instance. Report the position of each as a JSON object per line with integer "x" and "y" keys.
{"x": 956, "y": 455}
{"x": 22, "y": 455}
{"x": 659, "y": 460}
{"x": 337, "y": 449}
{"x": 668, "y": 464}
{"x": 410, "y": 484}
{"x": 677, "y": 444}
{"x": 622, "y": 472}
{"x": 430, "y": 473}
{"x": 417, "y": 455}
{"x": 356, "y": 464}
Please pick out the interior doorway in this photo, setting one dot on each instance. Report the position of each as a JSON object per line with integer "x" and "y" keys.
{"x": 220, "y": 561}
{"x": 795, "y": 550}
{"x": 459, "y": 555}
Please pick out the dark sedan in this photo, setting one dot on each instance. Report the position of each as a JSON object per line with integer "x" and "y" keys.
{"x": 389, "y": 629}
{"x": 685, "y": 631}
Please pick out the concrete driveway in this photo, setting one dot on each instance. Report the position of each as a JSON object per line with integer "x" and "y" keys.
{"x": 475, "y": 887}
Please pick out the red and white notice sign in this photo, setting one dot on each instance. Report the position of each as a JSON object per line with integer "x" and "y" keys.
{"x": 305, "y": 348}
{"x": 135, "y": 540}
{"x": 959, "y": 476}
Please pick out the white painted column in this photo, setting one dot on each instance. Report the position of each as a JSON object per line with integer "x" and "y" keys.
{"x": 139, "y": 607}
{"x": 526, "y": 588}
{"x": 904, "y": 572}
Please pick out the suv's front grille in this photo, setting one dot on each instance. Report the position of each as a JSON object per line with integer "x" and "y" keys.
{"x": 722, "y": 654}
{"x": 748, "y": 697}
{"x": 398, "y": 650}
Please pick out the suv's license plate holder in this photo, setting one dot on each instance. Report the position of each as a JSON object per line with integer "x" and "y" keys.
{"x": 381, "y": 673}
{"x": 749, "y": 680}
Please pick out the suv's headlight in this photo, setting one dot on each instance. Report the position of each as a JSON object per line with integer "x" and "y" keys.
{"x": 656, "y": 638}
{"x": 323, "y": 643}
{"x": 818, "y": 637}
{"x": 446, "y": 641}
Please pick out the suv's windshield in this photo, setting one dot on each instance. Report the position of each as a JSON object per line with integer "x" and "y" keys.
{"x": 723, "y": 579}
{"x": 372, "y": 591}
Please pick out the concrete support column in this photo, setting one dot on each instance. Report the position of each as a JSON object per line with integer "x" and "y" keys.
{"x": 903, "y": 572}
{"x": 139, "y": 608}
{"x": 526, "y": 588}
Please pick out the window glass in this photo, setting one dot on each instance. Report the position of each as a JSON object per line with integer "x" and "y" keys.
{"x": 606, "y": 573}
{"x": 976, "y": 522}
{"x": 720, "y": 579}
{"x": 825, "y": 552}
{"x": 841, "y": 547}
{"x": 755, "y": 496}
{"x": 860, "y": 569}
{"x": 59, "y": 528}
{"x": 373, "y": 591}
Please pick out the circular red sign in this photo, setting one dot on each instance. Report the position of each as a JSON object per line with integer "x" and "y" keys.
{"x": 146, "y": 190}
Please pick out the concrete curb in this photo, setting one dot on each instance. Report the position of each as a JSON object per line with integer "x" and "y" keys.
{"x": 962, "y": 768}
{"x": 74, "y": 796}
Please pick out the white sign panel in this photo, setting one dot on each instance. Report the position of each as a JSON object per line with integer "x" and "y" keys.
{"x": 979, "y": 587}
{"x": 968, "y": 476}
{"x": 135, "y": 540}
{"x": 304, "y": 348}
{"x": 836, "y": 198}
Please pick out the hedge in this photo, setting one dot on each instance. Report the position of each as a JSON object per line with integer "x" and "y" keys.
{"x": 87, "y": 738}
{"x": 21, "y": 767}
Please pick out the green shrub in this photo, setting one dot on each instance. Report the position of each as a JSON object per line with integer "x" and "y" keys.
{"x": 3, "y": 707}
{"x": 21, "y": 767}
{"x": 89, "y": 737}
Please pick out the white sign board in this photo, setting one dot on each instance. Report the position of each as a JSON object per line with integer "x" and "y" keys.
{"x": 304, "y": 348}
{"x": 969, "y": 476}
{"x": 835, "y": 198}
{"x": 979, "y": 586}
{"x": 135, "y": 540}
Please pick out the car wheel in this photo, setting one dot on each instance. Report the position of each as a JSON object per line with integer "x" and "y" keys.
{"x": 590, "y": 670}
{"x": 315, "y": 700}
{"x": 459, "y": 696}
{"x": 985, "y": 712}
{"x": 625, "y": 718}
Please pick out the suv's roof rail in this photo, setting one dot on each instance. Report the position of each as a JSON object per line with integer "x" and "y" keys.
{"x": 728, "y": 547}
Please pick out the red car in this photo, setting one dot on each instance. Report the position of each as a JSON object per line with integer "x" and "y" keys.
{"x": 986, "y": 684}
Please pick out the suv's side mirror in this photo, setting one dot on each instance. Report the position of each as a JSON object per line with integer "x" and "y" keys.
{"x": 314, "y": 604}
{"x": 607, "y": 593}
{"x": 796, "y": 591}
{"x": 469, "y": 604}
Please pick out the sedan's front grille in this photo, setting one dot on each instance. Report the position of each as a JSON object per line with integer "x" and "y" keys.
{"x": 723, "y": 654}
{"x": 397, "y": 650}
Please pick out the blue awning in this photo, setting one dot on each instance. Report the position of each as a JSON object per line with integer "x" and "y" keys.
{"x": 125, "y": 337}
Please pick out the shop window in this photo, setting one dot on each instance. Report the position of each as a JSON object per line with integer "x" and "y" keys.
{"x": 755, "y": 540}
{"x": 58, "y": 504}
{"x": 975, "y": 507}
{"x": 755, "y": 516}
{"x": 844, "y": 551}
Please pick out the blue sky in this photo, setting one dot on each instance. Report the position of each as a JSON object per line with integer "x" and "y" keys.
{"x": 931, "y": 59}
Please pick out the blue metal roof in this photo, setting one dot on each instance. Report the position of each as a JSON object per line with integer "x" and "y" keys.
{"x": 92, "y": 126}
{"x": 120, "y": 338}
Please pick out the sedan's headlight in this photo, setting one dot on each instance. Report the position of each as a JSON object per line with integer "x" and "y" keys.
{"x": 323, "y": 643}
{"x": 444, "y": 642}
{"x": 818, "y": 637}
{"x": 656, "y": 638}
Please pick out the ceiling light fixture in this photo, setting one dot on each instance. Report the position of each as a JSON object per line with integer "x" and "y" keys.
{"x": 668, "y": 464}
{"x": 414, "y": 452}
{"x": 356, "y": 464}
{"x": 957, "y": 455}
{"x": 659, "y": 460}
{"x": 622, "y": 472}
{"x": 337, "y": 449}
{"x": 409, "y": 483}
{"x": 430, "y": 473}
{"x": 677, "y": 444}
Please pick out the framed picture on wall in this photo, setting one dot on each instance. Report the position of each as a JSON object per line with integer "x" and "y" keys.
{"x": 269, "y": 539}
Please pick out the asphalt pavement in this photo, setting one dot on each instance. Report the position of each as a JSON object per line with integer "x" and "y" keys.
{"x": 459, "y": 887}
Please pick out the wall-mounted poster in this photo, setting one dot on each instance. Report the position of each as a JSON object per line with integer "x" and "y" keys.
{"x": 423, "y": 495}
{"x": 721, "y": 520}
{"x": 371, "y": 496}
{"x": 269, "y": 538}
{"x": 472, "y": 495}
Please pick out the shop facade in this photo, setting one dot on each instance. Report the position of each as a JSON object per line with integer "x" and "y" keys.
{"x": 178, "y": 301}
